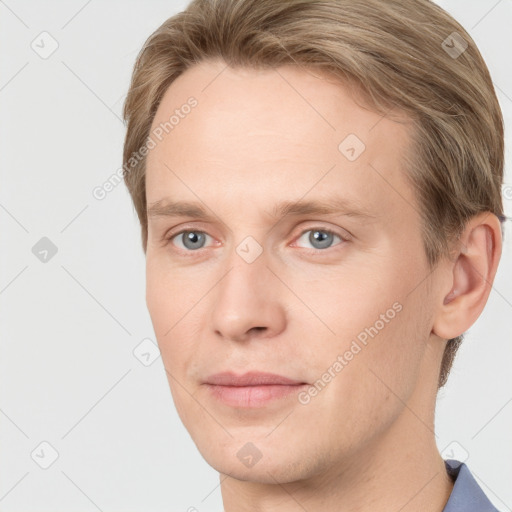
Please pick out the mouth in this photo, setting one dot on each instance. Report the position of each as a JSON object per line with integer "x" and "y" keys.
{"x": 252, "y": 389}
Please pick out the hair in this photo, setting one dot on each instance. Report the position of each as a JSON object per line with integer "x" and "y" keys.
{"x": 399, "y": 55}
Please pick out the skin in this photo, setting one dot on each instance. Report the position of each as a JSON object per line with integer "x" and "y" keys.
{"x": 367, "y": 438}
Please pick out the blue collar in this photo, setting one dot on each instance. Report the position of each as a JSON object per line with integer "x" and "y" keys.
{"x": 467, "y": 495}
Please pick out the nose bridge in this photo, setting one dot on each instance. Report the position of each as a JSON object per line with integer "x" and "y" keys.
{"x": 246, "y": 260}
{"x": 246, "y": 279}
{"x": 245, "y": 297}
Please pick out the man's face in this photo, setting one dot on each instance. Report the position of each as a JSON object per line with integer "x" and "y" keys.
{"x": 339, "y": 301}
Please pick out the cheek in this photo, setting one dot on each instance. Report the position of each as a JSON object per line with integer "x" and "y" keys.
{"x": 175, "y": 298}
{"x": 165, "y": 302}
{"x": 170, "y": 294}
{"x": 168, "y": 301}
{"x": 372, "y": 320}
{"x": 396, "y": 340}
{"x": 345, "y": 302}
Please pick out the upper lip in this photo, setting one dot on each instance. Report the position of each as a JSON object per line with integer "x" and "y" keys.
{"x": 253, "y": 378}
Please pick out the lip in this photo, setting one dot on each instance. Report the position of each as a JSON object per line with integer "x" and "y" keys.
{"x": 252, "y": 389}
{"x": 253, "y": 378}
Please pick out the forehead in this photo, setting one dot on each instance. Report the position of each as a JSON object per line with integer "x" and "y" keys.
{"x": 274, "y": 134}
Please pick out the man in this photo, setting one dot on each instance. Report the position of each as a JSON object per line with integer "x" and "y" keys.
{"x": 318, "y": 186}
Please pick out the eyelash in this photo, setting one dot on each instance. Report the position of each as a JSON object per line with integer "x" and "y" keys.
{"x": 191, "y": 253}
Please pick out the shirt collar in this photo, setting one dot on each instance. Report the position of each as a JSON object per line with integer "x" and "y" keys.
{"x": 466, "y": 495}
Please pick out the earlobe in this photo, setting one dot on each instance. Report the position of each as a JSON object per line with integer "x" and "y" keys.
{"x": 471, "y": 275}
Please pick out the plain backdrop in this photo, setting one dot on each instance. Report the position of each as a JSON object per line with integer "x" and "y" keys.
{"x": 76, "y": 395}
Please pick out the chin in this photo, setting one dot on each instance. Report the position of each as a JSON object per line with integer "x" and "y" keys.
{"x": 260, "y": 463}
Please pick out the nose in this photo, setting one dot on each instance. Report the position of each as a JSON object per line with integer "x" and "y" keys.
{"x": 248, "y": 303}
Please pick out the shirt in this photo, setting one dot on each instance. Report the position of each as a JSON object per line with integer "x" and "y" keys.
{"x": 466, "y": 495}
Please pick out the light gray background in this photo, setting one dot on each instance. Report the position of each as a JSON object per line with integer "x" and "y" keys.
{"x": 68, "y": 373}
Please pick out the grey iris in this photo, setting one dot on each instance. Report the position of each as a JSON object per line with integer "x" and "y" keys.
{"x": 193, "y": 239}
{"x": 323, "y": 239}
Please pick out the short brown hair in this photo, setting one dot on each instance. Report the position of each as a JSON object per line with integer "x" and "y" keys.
{"x": 409, "y": 55}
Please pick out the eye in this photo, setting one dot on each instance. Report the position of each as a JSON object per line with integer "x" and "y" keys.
{"x": 190, "y": 240}
{"x": 319, "y": 238}
{"x": 194, "y": 240}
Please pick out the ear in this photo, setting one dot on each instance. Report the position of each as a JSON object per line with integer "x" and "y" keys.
{"x": 471, "y": 274}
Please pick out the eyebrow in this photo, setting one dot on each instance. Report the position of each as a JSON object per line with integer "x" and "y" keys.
{"x": 330, "y": 206}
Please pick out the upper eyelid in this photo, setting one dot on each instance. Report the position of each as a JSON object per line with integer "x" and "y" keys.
{"x": 304, "y": 230}
{"x": 318, "y": 228}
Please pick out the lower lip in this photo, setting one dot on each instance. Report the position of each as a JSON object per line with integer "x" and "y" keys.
{"x": 252, "y": 396}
